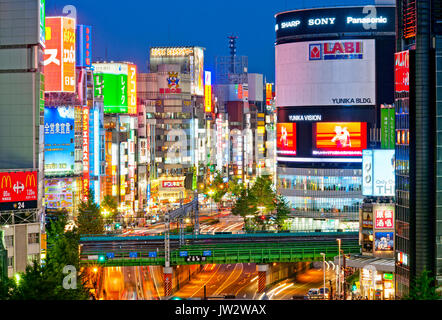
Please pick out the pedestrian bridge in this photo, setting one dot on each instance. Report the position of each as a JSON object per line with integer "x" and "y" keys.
{"x": 217, "y": 249}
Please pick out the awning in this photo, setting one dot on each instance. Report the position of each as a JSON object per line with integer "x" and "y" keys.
{"x": 357, "y": 261}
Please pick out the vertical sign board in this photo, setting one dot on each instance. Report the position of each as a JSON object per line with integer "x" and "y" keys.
{"x": 59, "y": 54}
{"x": 132, "y": 89}
{"x": 402, "y": 71}
{"x": 85, "y": 152}
{"x": 42, "y": 22}
{"x": 367, "y": 172}
{"x": 207, "y": 91}
{"x": 384, "y": 127}
{"x": 84, "y": 46}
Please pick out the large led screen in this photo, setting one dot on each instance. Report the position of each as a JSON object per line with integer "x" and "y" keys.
{"x": 286, "y": 138}
{"x": 59, "y": 55}
{"x": 323, "y": 73}
{"x": 59, "y": 193}
{"x": 378, "y": 173}
{"x": 339, "y": 138}
{"x": 59, "y": 140}
{"x": 116, "y": 84}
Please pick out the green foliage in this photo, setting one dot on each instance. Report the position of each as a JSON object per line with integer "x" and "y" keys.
{"x": 245, "y": 205}
{"x": 46, "y": 282}
{"x": 110, "y": 206}
{"x": 263, "y": 193}
{"x": 90, "y": 220}
{"x": 217, "y": 189}
{"x": 261, "y": 200}
{"x": 235, "y": 187}
{"x": 282, "y": 211}
{"x": 423, "y": 288}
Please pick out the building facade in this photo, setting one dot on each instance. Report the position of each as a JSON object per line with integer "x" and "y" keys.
{"x": 326, "y": 112}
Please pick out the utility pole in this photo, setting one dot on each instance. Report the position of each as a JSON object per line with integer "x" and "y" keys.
{"x": 167, "y": 240}
{"x": 344, "y": 257}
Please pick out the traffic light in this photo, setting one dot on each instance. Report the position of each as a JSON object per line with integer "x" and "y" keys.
{"x": 101, "y": 258}
{"x": 117, "y": 226}
{"x": 263, "y": 217}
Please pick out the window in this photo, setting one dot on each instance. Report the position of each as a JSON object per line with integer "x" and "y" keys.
{"x": 33, "y": 238}
{"x": 9, "y": 241}
{"x": 32, "y": 258}
{"x": 11, "y": 262}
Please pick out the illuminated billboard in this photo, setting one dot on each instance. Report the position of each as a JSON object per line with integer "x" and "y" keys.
{"x": 190, "y": 60}
{"x": 323, "y": 73}
{"x": 402, "y": 71}
{"x": 378, "y": 173}
{"x": 84, "y": 46}
{"x": 18, "y": 190}
{"x": 59, "y": 54}
{"x": 286, "y": 138}
{"x": 59, "y": 140}
{"x": 366, "y": 19}
{"x": 339, "y": 138}
{"x": 383, "y": 241}
{"x": 207, "y": 91}
{"x": 86, "y": 153}
{"x": 59, "y": 193}
{"x": 383, "y": 216}
{"x": 116, "y": 84}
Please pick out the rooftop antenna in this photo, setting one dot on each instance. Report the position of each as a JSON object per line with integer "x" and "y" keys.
{"x": 232, "y": 47}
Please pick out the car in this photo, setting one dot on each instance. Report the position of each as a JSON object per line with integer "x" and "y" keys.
{"x": 313, "y": 293}
{"x": 321, "y": 293}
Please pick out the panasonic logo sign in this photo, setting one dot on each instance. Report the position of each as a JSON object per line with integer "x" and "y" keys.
{"x": 366, "y": 20}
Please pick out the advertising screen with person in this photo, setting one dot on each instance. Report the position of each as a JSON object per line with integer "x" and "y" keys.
{"x": 340, "y": 138}
{"x": 286, "y": 138}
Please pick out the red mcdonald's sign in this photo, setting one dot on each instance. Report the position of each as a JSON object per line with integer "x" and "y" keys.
{"x": 18, "y": 186}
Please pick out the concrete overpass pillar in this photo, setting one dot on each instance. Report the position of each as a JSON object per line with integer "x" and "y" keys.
{"x": 262, "y": 276}
{"x": 167, "y": 271}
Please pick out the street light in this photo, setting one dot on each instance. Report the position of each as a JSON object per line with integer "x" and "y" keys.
{"x": 339, "y": 269}
{"x": 323, "y": 271}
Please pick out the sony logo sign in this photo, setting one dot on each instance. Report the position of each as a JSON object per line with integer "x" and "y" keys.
{"x": 321, "y": 21}
{"x": 305, "y": 117}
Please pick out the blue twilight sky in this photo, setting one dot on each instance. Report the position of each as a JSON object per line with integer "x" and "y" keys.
{"x": 126, "y": 29}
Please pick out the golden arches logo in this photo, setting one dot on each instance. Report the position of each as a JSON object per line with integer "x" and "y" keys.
{"x": 5, "y": 180}
{"x": 31, "y": 179}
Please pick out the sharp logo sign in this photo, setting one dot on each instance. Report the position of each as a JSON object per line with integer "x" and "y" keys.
{"x": 336, "y": 50}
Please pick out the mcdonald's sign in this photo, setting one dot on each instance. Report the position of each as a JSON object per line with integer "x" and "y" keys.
{"x": 17, "y": 187}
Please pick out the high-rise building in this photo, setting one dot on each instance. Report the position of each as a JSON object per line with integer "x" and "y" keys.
{"x": 22, "y": 41}
{"x": 326, "y": 112}
{"x": 418, "y": 103}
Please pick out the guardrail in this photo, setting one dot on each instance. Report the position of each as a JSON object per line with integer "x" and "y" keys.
{"x": 290, "y": 253}
{"x": 215, "y": 236}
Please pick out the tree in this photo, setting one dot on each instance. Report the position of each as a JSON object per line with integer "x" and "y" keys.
{"x": 423, "y": 288}
{"x": 264, "y": 194}
{"x": 109, "y": 207}
{"x": 282, "y": 211}
{"x": 90, "y": 220}
{"x": 235, "y": 187}
{"x": 217, "y": 189}
{"x": 45, "y": 282}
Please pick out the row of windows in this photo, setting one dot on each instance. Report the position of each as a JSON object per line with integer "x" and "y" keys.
{"x": 172, "y": 115}
{"x": 322, "y": 183}
{"x": 32, "y": 238}
{"x": 402, "y": 107}
{"x": 324, "y": 205}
